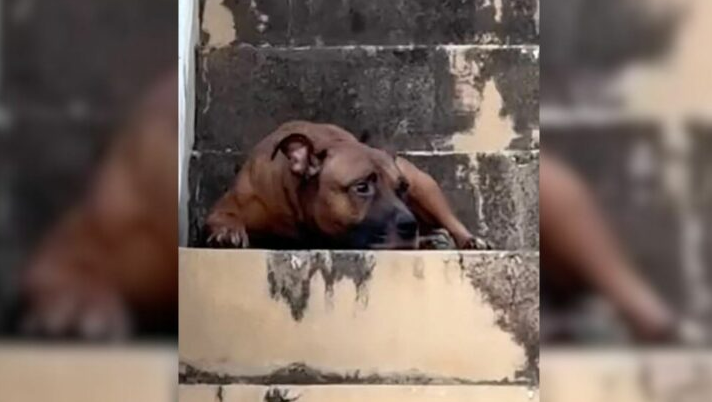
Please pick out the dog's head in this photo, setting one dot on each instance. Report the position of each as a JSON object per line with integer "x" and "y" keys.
{"x": 351, "y": 193}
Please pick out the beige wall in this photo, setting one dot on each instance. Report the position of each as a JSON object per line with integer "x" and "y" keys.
{"x": 32, "y": 373}
{"x": 625, "y": 375}
{"x": 418, "y": 313}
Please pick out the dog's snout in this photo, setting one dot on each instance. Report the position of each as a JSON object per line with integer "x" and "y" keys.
{"x": 407, "y": 225}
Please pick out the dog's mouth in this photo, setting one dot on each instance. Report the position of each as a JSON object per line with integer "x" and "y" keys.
{"x": 403, "y": 245}
{"x": 394, "y": 233}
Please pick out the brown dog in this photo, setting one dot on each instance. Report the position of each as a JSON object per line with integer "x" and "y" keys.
{"x": 317, "y": 186}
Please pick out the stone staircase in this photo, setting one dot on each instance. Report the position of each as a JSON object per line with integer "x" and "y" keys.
{"x": 451, "y": 85}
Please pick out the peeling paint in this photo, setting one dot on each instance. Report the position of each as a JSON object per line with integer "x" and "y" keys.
{"x": 497, "y": 5}
{"x": 219, "y": 24}
{"x": 493, "y": 130}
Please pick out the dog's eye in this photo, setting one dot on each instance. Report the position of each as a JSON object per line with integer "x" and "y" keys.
{"x": 364, "y": 188}
{"x": 402, "y": 188}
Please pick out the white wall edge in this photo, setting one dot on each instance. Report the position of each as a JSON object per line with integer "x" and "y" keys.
{"x": 187, "y": 39}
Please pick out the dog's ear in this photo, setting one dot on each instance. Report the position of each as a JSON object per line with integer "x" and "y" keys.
{"x": 299, "y": 150}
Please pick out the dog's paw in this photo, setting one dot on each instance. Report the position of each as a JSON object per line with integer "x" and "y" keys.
{"x": 233, "y": 237}
{"x": 84, "y": 313}
{"x": 437, "y": 239}
{"x": 474, "y": 243}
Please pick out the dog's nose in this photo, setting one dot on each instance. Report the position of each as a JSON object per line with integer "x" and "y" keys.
{"x": 407, "y": 225}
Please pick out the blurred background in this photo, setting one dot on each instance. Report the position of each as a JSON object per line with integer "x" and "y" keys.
{"x": 627, "y": 106}
{"x": 74, "y": 73}
{"x": 626, "y": 114}
{"x": 88, "y": 145}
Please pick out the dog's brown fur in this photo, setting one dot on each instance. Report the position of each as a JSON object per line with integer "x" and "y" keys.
{"x": 302, "y": 181}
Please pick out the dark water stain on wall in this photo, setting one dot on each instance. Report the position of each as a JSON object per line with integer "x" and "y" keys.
{"x": 509, "y": 195}
{"x": 404, "y": 98}
{"x": 394, "y": 22}
{"x": 290, "y": 274}
{"x": 279, "y": 395}
{"x": 510, "y": 284}
{"x": 302, "y": 374}
{"x": 245, "y": 93}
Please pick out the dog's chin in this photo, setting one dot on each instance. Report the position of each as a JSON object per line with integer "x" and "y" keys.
{"x": 380, "y": 240}
{"x": 395, "y": 245}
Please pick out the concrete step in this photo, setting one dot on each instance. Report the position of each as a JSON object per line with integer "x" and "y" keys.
{"x": 307, "y": 22}
{"x": 449, "y": 98}
{"x": 31, "y": 372}
{"x": 634, "y": 170}
{"x": 496, "y": 195}
{"x": 319, "y": 317}
{"x": 395, "y": 393}
{"x": 631, "y": 375}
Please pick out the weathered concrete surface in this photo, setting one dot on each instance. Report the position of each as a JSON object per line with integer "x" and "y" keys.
{"x": 31, "y": 373}
{"x": 249, "y": 393}
{"x": 496, "y": 195}
{"x": 622, "y": 162}
{"x": 308, "y": 22}
{"x": 626, "y": 375}
{"x": 361, "y": 318}
{"x": 462, "y": 98}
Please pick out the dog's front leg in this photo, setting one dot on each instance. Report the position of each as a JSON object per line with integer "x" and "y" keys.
{"x": 225, "y": 223}
{"x": 428, "y": 203}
